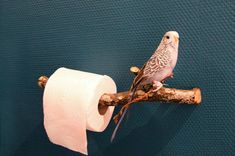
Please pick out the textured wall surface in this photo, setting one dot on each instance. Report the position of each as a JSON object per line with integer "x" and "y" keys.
{"x": 37, "y": 37}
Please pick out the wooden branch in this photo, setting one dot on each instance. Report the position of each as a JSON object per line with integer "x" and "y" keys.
{"x": 167, "y": 95}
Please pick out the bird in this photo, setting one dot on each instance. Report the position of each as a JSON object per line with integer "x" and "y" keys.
{"x": 155, "y": 71}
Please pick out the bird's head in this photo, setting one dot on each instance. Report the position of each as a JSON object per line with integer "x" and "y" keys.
{"x": 171, "y": 37}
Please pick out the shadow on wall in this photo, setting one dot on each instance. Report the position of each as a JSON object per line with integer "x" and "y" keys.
{"x": 151, "y": 138}
{"x": 147, "y": 140}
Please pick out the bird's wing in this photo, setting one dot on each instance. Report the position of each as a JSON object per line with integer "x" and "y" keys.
{"x": 157, "y": 62}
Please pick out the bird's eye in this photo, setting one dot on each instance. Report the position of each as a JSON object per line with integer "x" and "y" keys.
{"x": 167, "y": 37}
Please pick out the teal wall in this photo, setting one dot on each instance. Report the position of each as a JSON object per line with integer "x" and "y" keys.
{"x": 37, "y": 37}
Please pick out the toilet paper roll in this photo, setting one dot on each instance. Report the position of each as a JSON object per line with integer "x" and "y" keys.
{"x": 70, "y": 105}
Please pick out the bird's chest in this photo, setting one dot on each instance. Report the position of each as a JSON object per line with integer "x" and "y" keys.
{"x": 173, "y": 59}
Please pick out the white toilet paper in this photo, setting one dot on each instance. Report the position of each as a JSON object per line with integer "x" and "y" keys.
{"x": 70, "y": 105}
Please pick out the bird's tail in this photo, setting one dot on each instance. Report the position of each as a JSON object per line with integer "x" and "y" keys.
{"x": 133, "y": 90}
{"x": 118, "y": 124}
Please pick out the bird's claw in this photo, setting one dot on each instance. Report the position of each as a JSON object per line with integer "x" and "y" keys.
{"x": 157, "y": 85}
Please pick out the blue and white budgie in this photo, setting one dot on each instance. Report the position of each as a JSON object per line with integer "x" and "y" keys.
{"x": 158, "y": 68}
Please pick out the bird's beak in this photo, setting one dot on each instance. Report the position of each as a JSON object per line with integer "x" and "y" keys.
{"x": 176, "y": 40}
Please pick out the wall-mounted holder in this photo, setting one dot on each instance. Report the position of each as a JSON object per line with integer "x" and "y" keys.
{"x": 76, "y": 101}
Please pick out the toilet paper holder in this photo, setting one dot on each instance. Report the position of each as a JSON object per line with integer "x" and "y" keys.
{"x": 165, "y": 95}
